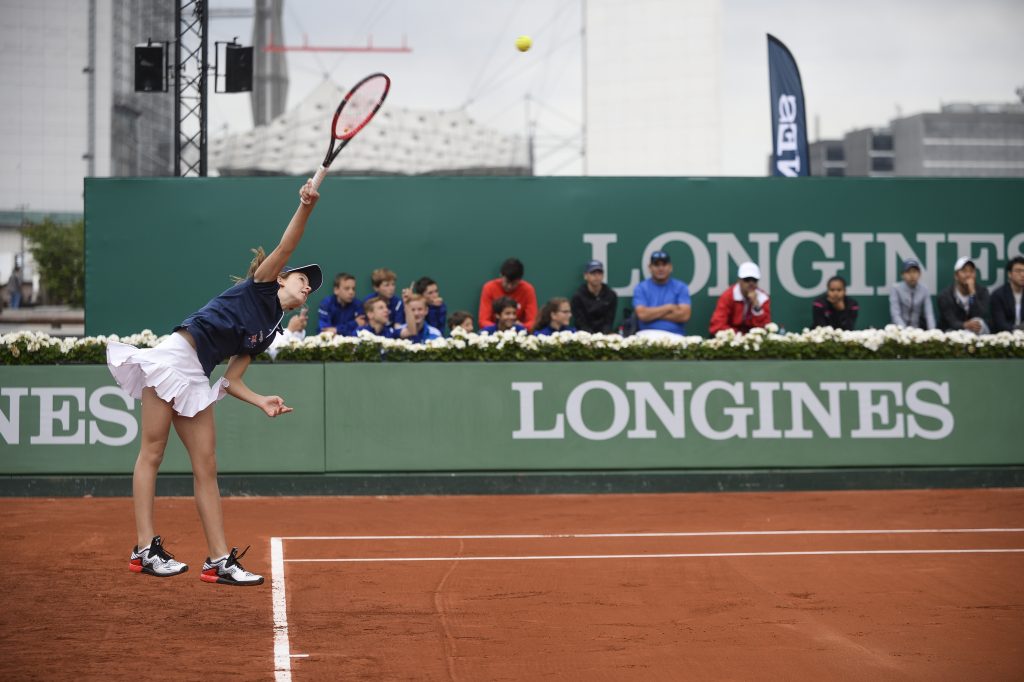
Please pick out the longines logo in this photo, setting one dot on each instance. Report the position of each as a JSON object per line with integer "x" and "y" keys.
{"x": 802, "y": 262}
{"x": 884, "y": 409}
{"x": 69, "y": 416}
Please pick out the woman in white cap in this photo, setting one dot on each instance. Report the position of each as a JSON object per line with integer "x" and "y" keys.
{"x": 172, "y": 381}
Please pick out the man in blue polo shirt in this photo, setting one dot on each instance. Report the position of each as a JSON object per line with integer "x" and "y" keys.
{"x": 662, "y": 303}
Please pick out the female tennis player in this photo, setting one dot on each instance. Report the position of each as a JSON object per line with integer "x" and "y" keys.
{"x": 173, "y": 382}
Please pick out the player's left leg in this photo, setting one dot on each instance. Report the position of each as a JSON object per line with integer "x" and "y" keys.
{"x": 198, "y": 434}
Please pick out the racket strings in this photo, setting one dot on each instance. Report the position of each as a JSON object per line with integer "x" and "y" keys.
{"x": 360, "y": 106}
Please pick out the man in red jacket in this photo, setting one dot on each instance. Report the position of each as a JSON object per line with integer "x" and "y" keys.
{"x": 511, "y": 284}
{"x": 742, "y": 306}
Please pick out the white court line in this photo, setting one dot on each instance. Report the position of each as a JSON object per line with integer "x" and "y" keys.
{"x": 657, "y": 556}
{"x": 282, "y": 655}
{"x": 282, "y": 652}
{"x": 535, "y": 536}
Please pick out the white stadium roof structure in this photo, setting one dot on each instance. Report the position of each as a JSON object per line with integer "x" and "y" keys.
{"x": 399, "y": 141}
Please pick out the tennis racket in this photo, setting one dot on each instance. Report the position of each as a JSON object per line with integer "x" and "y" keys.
{"x": 354, "y": 112}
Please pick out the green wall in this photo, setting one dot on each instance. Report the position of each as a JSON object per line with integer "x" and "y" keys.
{"x": 352, "y": 417}
{"x": 158, "y": 248}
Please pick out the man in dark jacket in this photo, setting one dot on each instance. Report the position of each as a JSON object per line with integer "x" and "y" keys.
{"x": 594, "y": 303}
{"x": 964, "y": 305}
{"x": 1007, "y": 300}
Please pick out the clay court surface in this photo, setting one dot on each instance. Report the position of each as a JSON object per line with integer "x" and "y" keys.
{"x": 727, "y": 598}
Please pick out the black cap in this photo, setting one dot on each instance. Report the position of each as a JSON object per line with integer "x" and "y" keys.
{"x": 312, "y": 271}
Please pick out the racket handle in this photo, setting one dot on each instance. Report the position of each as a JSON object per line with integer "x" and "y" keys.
{"x": 319, "y": 177}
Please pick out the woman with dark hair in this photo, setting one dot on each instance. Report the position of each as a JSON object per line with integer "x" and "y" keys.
{"x": 834, "y": 308}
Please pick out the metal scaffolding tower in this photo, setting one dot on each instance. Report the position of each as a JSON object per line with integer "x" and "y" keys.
{"x": 190, "y": 68}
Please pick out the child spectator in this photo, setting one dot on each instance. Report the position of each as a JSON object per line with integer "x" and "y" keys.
{"x": 416, "y": 329}
{"x": 437, "y": 311}
{"x": 383, "y": 281}
{"x": 460, "y": 318}
{"x": 834, "y": 308}
{"x": 510, "y": 285}
{"x": 341, "y": 313}
{"x": 294, "y": 331}
{"x": 378, "y": 318}
{"x": 503, "y": 311}
{"x": 555, "y": 316}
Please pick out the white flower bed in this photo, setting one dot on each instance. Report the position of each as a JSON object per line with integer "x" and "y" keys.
{"x": 823, "y": 343}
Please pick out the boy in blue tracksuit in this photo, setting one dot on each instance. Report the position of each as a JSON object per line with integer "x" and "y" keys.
{"x": 378, "y": 318}
{"x": 416, "y": 329}
{"x": 437, "y": 311}
{"x": 341, "y": 312}
{"x": 384, "y": 285}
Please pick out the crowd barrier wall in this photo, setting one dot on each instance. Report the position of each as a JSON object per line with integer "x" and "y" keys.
{"x": 542, "y": 416}
{"x": 158, "y": 249}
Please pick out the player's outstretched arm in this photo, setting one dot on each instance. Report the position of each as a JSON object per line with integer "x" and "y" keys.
{"x": 278, "y": 258}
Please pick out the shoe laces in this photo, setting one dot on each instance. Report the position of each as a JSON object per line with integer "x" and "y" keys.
{"x": 234, "y": 556}
{"x": 157, "y": 549}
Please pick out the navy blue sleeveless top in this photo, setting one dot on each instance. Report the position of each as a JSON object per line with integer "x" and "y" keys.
{"x": 244, "y": 319}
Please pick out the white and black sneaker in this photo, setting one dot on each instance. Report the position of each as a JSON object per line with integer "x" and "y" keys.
{"x": 155, "y": 560}
{"x": 228, "y": 571}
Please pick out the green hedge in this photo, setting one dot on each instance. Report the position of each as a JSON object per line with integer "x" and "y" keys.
{"x": 32, "y": 348}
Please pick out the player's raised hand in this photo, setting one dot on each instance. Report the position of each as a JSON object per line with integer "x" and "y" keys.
{"x": 308, "y": 194}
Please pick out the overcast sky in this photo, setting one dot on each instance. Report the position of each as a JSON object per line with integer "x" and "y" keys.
{"x": 863, "y": 63}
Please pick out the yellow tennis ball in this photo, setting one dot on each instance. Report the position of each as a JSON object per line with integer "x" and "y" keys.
{"x": 523, "y": 43}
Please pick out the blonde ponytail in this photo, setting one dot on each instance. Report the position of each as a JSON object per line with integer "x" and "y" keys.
{"x": 258, "y": 257}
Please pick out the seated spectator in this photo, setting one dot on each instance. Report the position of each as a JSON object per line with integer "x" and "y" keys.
{"x": 964, "y": 304}
{"x": 504, "y": 311}
{"x": 437, "y": 311}
{"x": 662, "y": 303}
{"x": 416, "y": 328}
{"x": 511, "y": 285}
{"x": 1007, "y": 304}
{"x": 910, "y": 302}
{"x": 555, "y": 316}
{"x": 460, "y": 318}
{"x": 341, "y": 313}
{"x": 378, "y": 318}
{"x": 834, "y": 308}
{"x": 295, "y": 331}
{"x": 594, "y": 303}
{"x": 384, "y": 285}
{"x": 743, "y": 306}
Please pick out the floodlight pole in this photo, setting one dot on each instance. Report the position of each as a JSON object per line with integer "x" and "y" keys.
{"x": 190, "y": 66}
{"x": 583, "y": 88}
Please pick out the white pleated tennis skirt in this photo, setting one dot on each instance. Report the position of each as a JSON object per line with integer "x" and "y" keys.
{"x": 172, "y": 369}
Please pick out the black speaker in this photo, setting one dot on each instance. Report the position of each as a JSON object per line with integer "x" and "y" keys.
{"x": 237, "y": 69}
{"x": 149, "y": 68}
